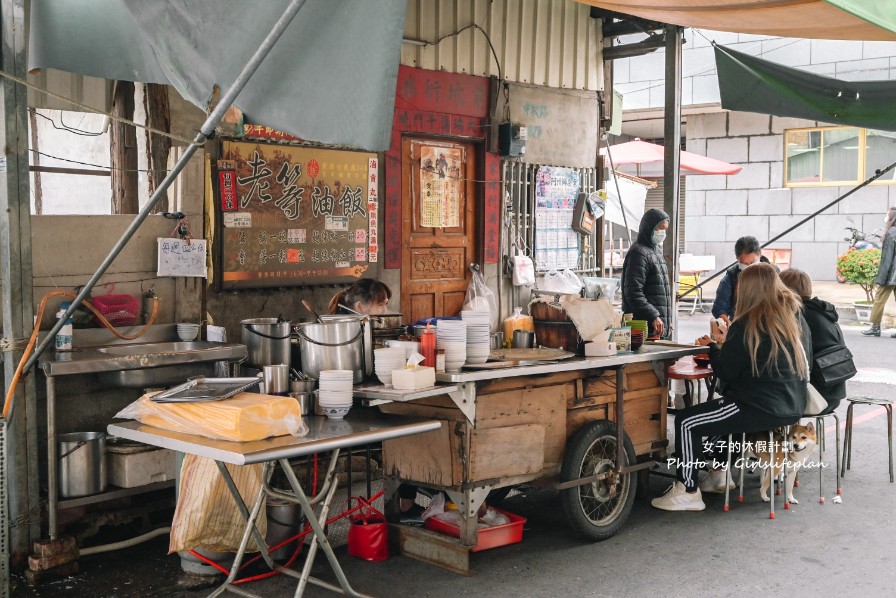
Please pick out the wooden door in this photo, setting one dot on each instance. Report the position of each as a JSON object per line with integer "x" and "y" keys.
{"x": 435, "y": 259}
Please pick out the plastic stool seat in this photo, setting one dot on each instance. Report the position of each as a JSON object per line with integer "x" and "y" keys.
{"x": 887, "y": 404}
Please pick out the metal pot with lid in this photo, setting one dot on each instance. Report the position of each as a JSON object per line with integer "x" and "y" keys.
{"x": 337, "y": 342}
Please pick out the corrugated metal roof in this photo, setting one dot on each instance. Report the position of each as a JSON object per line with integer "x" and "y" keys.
{"x": 545, "y": 42}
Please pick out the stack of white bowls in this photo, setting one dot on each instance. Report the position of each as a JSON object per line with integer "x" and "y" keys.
{"x": 387, "y": 359}
{"x": 478, "y": 335}
{"x": 451, "y": 335}
{"x": 334, "y": 394}
{"x": 187, "y": 332}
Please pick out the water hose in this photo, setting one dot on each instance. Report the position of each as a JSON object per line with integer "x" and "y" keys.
{"x": 10, "y": 394}
{"x": 124, "y": 543}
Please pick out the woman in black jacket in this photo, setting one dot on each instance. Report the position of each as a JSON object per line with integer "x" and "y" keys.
{"x": 763, "y": 370}
{"x": 646, "y": 293}
{"x": 822, "y": 318}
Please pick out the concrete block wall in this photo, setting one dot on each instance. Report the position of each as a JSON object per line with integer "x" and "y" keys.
{"x": 720, "y": 209}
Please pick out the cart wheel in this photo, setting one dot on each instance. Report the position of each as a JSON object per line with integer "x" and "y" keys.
{"x": 599, "y": 509}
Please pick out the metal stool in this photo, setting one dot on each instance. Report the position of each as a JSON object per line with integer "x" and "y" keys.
{"x": 847, "y": 435}
{"x": 772, "y": 492}
{"x": 820, "y": 434}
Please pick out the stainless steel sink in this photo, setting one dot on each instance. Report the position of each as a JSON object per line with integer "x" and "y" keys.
{"x": 138, "y": 356}
{"x": 167, "y": 347}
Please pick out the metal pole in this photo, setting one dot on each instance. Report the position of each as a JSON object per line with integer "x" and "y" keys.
{"x": 205, "y": 131}
{"x": 672, "y": 142}
{"x": 877, "y": 174}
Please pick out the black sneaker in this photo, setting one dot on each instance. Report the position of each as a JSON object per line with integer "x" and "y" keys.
{"x": 873, "y": 331}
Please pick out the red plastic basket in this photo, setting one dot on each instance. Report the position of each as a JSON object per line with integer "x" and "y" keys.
{"x": 120, "y": 310}
{"x": 489, "y": 537}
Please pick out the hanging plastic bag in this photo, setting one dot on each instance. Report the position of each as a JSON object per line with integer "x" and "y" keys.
{"x": 480, "y": 297}
{"x": 368, "y": 535}
{"x": 574, "y": 283}
{"x": 523, "y": 270}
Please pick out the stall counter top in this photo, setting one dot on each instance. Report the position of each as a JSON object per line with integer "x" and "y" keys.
{"x": 647, "y": 353}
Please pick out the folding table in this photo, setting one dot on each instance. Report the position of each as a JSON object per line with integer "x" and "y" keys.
{"x": 358, "y": 428}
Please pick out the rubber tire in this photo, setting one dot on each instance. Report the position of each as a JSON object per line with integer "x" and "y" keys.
{"x": 579, "y": 446}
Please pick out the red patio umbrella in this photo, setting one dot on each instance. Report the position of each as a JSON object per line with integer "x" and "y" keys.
{"x": 644, "y": 153}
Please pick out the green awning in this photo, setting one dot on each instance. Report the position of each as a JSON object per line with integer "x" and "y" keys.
{"x": 750, "y": 84}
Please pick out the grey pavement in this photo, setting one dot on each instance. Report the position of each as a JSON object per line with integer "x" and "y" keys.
{"x": 813, "y": 549}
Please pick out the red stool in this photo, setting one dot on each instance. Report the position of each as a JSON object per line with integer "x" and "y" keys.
{"x": 689, "y": 370}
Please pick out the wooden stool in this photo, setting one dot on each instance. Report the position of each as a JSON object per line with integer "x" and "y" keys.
{"x": 688, "y": 370}
{"x": 847, "y": 435}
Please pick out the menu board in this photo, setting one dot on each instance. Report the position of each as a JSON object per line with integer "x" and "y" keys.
{"x": 294, "y": 216}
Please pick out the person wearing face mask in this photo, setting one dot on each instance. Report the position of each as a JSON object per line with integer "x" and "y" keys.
{"x": 646, "y": 292}
{"x": 886, "y": 274}
{"x": 747, "y": 252}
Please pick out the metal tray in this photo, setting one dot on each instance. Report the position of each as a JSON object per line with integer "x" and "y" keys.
{"x": 510, "y": 363}
{"x": 205, "y": 389}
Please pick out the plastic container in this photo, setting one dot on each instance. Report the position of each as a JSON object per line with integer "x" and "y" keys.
{"x": 489, "y": 537}
{"x": 65, "y": 335}
{"x": 131, "y": 465}
{"x": 516, "y": 322}
{"x": 428, "y": 347}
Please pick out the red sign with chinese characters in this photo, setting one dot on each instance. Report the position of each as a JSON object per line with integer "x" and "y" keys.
{"x": 227, "y": 188}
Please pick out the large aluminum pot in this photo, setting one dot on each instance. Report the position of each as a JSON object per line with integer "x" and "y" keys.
{"x": 337, "y": 343}
{"x": 267, "y": 341}
{"x": 82, "y": 463}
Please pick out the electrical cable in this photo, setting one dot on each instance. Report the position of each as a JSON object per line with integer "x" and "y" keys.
{"x": 100, "y": 166}
{"x": 64, "y": 127}
{"x": 93, "y": 109}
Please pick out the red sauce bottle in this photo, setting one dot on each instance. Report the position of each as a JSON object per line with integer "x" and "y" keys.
{"x": 428, "y": 347}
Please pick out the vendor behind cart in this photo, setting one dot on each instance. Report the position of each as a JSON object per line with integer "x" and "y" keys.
{"x": 367, "y": 296}
{"x": 646, "y": 293}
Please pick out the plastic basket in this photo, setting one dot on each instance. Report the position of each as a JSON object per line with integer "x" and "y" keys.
{"x": 120, "y": 310}
{"x": 489, "y": 537}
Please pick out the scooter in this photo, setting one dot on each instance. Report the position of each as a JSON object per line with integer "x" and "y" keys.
{"x": 859, "y": 240}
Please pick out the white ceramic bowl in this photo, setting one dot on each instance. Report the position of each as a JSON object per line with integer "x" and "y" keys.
{"x": 335, "y": 412}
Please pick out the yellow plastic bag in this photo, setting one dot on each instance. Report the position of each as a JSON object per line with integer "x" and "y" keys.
{"x": 246, "y": 417}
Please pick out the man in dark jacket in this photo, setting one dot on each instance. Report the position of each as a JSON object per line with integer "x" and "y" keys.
{"x": 646, "y": 292}
{"x": 748, "y": 252}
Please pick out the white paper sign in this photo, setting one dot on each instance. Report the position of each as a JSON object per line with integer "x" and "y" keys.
{"x": 177, "y": 258}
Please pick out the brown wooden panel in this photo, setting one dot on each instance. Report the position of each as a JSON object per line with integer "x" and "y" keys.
{"x": 424, "y": 458}
{"x": 435, "y": 260}
{"x": 512, "y": 450}
{"x": 430, "y": 263}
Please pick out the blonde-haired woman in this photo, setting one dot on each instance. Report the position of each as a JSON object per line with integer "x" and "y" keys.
{"x": 762, "y": 368}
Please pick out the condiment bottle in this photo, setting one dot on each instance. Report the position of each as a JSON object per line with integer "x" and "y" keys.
{"x": 64, "y": 336}
{"x": 440, "y": 360}
{"x": 428, "y": 347}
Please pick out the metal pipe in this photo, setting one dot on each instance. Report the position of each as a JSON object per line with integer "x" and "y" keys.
{"x": 52, "y": 472}
{"x": 205, "y": 131}
{"x": 877, "y": 174}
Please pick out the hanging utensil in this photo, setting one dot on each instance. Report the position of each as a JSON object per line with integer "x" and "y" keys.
{"x": 309, "y": 307}
{"x": 347, "y": 308}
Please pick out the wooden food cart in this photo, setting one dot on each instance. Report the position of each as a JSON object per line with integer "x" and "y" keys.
{"x": 557, "y": 421}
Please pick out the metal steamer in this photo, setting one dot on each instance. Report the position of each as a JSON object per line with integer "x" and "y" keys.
{"x": 338, "y": 342}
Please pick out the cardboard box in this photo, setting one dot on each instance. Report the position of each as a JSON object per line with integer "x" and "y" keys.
{"x": 414, "y": 378}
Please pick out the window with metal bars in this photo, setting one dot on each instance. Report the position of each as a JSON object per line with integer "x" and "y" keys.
{"x": 518, "y": 189}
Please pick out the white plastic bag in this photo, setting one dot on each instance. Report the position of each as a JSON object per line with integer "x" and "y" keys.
{"x": 523, "y": 270}
{"x": 565, "y": 282}
{"x": 480, "y": 297}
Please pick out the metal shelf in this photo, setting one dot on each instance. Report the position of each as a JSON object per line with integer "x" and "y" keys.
{"x": 381, "y": 392}
{"x": 71, "y": 503}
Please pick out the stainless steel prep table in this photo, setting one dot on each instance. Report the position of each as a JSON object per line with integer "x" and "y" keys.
{"x": 360, "y": 427}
